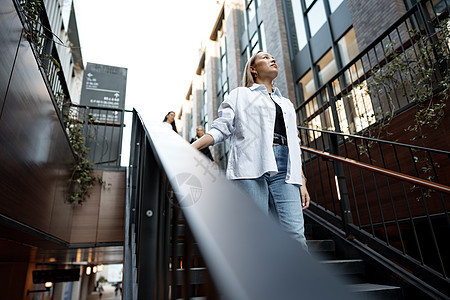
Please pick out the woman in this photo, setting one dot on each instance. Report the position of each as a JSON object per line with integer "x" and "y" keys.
{"x": 264, "y": 157}
{"x": 169, "y": 119}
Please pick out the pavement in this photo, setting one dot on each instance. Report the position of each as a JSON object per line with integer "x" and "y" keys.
{"x": 108, "y": 294}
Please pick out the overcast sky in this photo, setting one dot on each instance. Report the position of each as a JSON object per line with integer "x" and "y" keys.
{"x": 157, "y": 41}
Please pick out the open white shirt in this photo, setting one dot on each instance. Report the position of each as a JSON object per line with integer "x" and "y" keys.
{"x": 248, "y": 116}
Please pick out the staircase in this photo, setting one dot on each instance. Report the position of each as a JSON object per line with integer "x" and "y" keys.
{"x": 343, "y": 260}
{"x": 340, "y": 258}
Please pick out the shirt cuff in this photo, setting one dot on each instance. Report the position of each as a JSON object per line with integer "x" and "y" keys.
{"x": 217, "y": 135}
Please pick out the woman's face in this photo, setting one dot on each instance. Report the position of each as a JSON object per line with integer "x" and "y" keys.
{"x": 264, "y": 66}
{"x": 170, "y": 117}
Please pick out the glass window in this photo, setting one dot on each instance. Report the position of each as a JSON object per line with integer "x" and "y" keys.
{"x": 299, "y": 24}
{"x": 334, "y": 4}
{"x": 251, "y": 11}
{"x": 254, "y": 43}
{"x": 263, "y": 37}
{"x": 348, "y": 50}
{"x": 316, "y": 17}
{"x": 326, "y": 67}
{"x": 306, "y": 84}
{"x": 308, "y": 3}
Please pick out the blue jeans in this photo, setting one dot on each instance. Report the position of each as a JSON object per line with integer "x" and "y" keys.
{"x": 278, "y": 198}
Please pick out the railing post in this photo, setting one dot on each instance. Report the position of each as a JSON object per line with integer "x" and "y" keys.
{"x": 341, "y": 184}
{"x": 148, "y": 225}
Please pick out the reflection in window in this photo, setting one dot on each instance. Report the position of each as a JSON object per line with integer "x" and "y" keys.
{"x": 348, "y": 49}
{"x": 263, "y": 37}
{"x": 299, "y": 24}
{"x": 307, "y": 85}
{"x": 326, "y": 67}
{"x": 316, "y": 17}
{"x": 334, "y": 4}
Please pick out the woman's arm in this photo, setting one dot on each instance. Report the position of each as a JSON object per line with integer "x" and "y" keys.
{"x": 205, "y": 141}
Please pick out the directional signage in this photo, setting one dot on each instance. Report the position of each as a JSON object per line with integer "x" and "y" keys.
{"x": 56, "y": 275}
{"x": 104, "y": 86}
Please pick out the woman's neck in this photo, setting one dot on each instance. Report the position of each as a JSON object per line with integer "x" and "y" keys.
{"x": 267, "y": 83}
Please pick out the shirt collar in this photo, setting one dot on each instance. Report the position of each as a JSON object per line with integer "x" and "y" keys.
{"x": 262, "y": 87}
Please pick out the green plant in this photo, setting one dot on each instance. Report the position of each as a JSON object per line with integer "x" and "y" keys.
{"x": 81, "y": 179}
{"x": 421, "y": 72}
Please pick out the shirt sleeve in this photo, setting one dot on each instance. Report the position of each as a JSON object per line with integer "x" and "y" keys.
{"x": 223, "y": 126}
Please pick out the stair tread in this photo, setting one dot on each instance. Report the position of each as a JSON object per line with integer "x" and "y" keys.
{"x": 337, "y": 261}
{"x": 365, "y": 287}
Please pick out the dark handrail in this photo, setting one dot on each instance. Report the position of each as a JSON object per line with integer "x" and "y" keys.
{"x": 381, "y": 171}
{"x": 247, "y": 255}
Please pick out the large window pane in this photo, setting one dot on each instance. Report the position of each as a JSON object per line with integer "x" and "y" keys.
{"x": 263, "y": 37}
{"x": 348, "y": 47}
{"x": 334, "y": 4}
{"x": 299, "y": 24}
{"x": 251, "y": 11}
{"x": 306, "y": 84}
{"x": 308, "y": 3}
{"x": 316, "y": 17}
{"x": 254, "y": 43}
{"x": 326, "y": 67}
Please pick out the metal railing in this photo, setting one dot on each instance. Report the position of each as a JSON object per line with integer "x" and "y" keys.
{"x": 376, "y": 84}
{"x": 362, "y": 185}
{"x": 191, "y": 233}
{"x": 103, "y": 129}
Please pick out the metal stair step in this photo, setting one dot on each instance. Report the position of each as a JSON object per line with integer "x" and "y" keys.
{"x": 321, "y": 245}
{"x": 377, "y": 291}
{"x": 345, "y": 266}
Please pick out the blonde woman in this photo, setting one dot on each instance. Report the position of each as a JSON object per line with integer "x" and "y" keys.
{"x": 264, "y": 157}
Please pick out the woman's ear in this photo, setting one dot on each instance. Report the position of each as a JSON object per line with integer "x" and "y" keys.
{"x": 253, "y": 71}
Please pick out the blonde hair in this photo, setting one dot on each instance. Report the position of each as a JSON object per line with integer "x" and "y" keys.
{"x": 248, "y": 79}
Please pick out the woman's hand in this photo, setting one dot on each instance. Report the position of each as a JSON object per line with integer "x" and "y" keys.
{"x": 304, "y": 195}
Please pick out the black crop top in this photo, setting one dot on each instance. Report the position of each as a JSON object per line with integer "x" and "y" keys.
{"x": 280, "y": 128}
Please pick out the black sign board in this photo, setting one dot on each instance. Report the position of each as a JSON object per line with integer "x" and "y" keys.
{"x": 104, "y": 86}
{"x": 57, "y": 275}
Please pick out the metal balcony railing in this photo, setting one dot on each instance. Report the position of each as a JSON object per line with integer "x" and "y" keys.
{"x": 376, "y": 84}
{"x": 378, "y": 192}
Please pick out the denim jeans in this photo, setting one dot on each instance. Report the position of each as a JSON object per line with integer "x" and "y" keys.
{"x": 278, "y": 198}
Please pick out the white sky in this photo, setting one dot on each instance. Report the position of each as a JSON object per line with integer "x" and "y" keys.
{"x": 158, "y": 42}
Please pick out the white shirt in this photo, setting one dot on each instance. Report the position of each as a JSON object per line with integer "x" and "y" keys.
{"x": 248, "y": 116}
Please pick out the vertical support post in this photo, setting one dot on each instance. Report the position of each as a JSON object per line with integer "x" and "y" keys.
{"x": 148, "y": 229}
{"x": 341, "y": 184}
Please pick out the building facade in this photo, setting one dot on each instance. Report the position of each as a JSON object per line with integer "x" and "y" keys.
{"x": 374, "y": 70}
{"x": 312, "y": 41}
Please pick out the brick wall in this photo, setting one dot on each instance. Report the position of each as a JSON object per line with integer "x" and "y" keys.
{"x": 372, "y": 17}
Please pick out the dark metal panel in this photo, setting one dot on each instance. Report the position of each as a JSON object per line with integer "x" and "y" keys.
{"x": 10, "y": 32}
{"x": 301, "y": 63}
{"x": 340, "y": 21}
{"x": 35, "y": 155}
{"x": 320, "y": 43}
